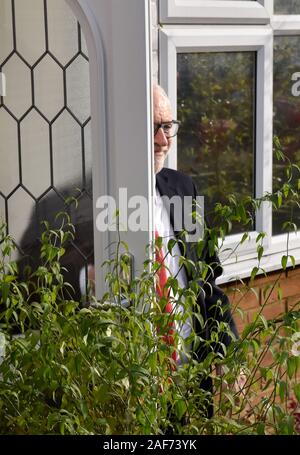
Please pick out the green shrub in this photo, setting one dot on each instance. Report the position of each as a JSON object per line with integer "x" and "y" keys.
{"x": 105, "y": 369}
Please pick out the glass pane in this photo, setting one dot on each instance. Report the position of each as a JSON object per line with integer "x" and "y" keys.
{"x": 37, "y": 151}
{"x": 286, "y": 6}
{"x": 6, "y": 35}
{"x": 30, "y": 29}
{"x": 216, "y": 138}
{"x": 45, "y": 145}
{"x": 9, "y": 169}
{"x": 62, "y": 30}
{"x": 286, "y": 118}
{"x": 48, "y": 79}
{"x": 18, "y": 97}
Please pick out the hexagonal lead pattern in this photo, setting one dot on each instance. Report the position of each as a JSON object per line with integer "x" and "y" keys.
{"x": 6, "y": 36}
{"x": 78, "y": 92}
{"x": 9, "y": 169}
{"x": 62, "y": 30}
{"x": 49, "y": 90}
{"x": 18, "y": 86}
{"x": 35, "y": 153}
{"x": 30, "y": 29}
{"x": 47, "y": 107}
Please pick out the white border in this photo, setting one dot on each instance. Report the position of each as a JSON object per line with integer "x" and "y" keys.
{"x": 212, "y": 12}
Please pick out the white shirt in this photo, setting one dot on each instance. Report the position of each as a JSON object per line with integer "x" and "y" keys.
{"x": 165, "y": 230}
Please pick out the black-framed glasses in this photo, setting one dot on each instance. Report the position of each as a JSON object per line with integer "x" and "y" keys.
{"x": 170, "y": 128}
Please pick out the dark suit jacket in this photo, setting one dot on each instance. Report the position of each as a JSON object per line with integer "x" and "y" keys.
{"x": 173, "y": 183}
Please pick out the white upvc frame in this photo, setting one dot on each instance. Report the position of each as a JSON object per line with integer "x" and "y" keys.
{"x": 213, "y": 12}
{"x": 286, "y": 25}
{"x": 174, "y": 40}
{"x": 118, "y": 36}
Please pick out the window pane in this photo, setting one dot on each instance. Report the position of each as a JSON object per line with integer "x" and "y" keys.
{"x": 45, "y": 147}
{"x": 287, "y": 6}
{"x": 286, "y": 118}
{"x": 216, "y": 108}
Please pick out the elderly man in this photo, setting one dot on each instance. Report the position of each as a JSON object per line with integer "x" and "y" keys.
{"x": 169, "y": 183}
{"x": 173, "y": 183}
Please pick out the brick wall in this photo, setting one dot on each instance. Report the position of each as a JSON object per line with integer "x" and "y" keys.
{"x": 273, "y": 295}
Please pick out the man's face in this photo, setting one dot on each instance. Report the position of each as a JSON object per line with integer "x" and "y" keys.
{"x": 162, "y": 144}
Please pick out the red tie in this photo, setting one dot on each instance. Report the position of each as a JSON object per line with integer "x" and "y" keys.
{"x": 163, "y": 292}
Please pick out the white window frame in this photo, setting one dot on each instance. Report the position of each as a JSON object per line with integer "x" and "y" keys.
{"x": 213, "y": 12}
{"x": 189, "y": 37}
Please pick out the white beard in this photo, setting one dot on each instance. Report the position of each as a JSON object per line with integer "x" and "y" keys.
{"x": 159, "y": 163}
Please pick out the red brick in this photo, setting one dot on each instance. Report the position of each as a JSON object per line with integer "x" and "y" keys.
{"x": 270, "y": 311}
{"x": 271, "y": 277}
{"x": 267, "y": 359}
{"x": 241, "y": 320}
{"x": 288, "y": 287}
{"x": 244, "y": 298}
{"x": 294, "y": 272}
{"x": 293, "y": 303}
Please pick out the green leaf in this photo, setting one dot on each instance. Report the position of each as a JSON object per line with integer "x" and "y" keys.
{"x": 260, "y": 428}
{"x": 171, "y": 244}
{"x": 264, "y": 321}
{"x": 282, "y": 390}
{"x": 284, "y": 260}
{"x": 152, "y": 360}
{"x": 245, "y": 237}
{"x": 293, "y": 261}
{"x": 297, "y": 392}
{"x": 180, "y": 408}
{"x": 260, "y": 252}
{"x": 62, "y": 428}
{"x": 254, "y": 272}
{"x": 229, "y": 396}
{"x": 291, "y": 366}
{"x": 286, "y": 189}
{"x": 84, "y": 409}
{"x": 279, "y": 293}
{"x": 279, "y": 199}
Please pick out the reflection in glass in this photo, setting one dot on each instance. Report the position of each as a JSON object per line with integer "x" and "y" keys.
{"x": 286, "y": 6}
{"x": 216, "y": 110}
{"x": 286, "y": 119}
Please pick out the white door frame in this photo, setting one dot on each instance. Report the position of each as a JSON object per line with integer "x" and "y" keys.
{"x": 118, "y": 36}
